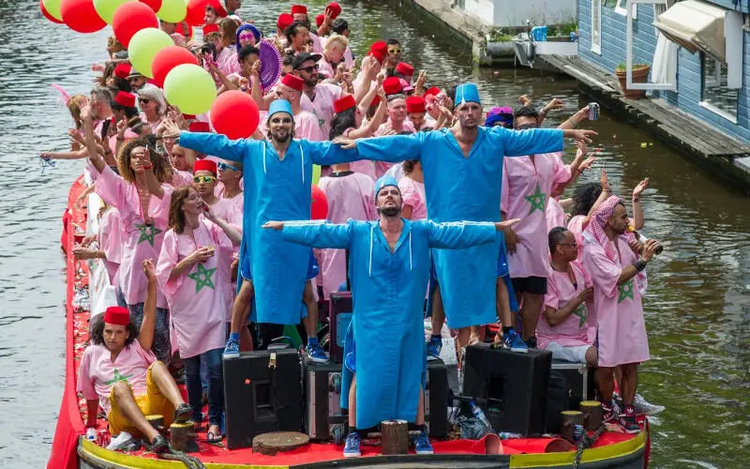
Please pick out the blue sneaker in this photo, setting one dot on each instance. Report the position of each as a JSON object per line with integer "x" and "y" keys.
{"x": 316, "y": 353}
{"x": 351, "y": 446}
{"x": 422, "y": 444}
{"x": 514, "y": 342}
{"x": 232, "y": 348}
{"x": 433, "y": 347}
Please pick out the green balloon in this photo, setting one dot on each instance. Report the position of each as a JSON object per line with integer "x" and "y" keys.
{"x": 53, "y": 8}
{"x": 144, "y": 45}
{"x": 190, "y": 88}
{"x": 107, "y": 8}
{"x": 316, "y": 174}
{"x": 172, "y": 11}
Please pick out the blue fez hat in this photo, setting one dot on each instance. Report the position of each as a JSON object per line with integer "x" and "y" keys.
{"x": 280, "y": 105}
{"x": 467, "y": 93}
{"x": 386, "y": 180}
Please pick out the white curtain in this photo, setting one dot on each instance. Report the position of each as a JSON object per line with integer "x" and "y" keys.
{"x": 664, "y": 65}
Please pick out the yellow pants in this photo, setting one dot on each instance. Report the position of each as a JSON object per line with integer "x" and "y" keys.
{"x": 153, "y": 402}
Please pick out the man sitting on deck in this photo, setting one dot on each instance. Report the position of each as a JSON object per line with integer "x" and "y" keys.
{"x": 119, "y": 372}
{"x": 389, "y": 267}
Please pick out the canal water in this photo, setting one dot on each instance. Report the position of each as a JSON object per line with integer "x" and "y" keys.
{"x": 697, "y": 307}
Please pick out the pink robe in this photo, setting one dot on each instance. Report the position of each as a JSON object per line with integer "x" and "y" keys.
{"x": 110, "y": 241}
{"x": 382, "y": 167}
{"x": 620, "y": 323}
{"x": 525, "y": 190}
{"x": 139, "y": 241}
{"x": 97, "y": 371}
{"x": 322, "y": 106}
{"x": 306, "y": 126}
{"x": 227, "y": 61}
{"x": 413, "y": 195}
{"x": 573, "y": 331}
{"x": 575, "y": 226}
{"x": 555, "y": 214}
{"x": 198, "y": 299}
{"x": 349, "y": 197}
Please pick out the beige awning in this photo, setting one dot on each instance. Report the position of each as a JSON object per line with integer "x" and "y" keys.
{"x": 696, "y": 26}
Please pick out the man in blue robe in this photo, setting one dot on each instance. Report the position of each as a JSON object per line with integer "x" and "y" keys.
{"x": 462, "y": 175}
{"x": 389, "y": 261}
{"x": 278, "y": 175}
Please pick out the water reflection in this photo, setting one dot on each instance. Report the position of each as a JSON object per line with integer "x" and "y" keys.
{"x": 698, "y": 305}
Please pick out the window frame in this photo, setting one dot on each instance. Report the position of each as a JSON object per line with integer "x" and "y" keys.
{"x": 708, "y": 105}
{"x": 672, "y": 84}
{"x": 596, "y": 48}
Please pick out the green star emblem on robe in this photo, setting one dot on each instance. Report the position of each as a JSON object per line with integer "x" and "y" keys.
{"x": 536, "y": 200}
{"x": 148, "y": 233}
{"x": 583, "y": 314}
{"x": 117, "y": 377}
{"x": 202, "y": 278}
{"x": 626, "y": 291}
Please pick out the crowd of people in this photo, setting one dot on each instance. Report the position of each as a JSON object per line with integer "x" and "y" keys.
{"x": 207, "y": 240}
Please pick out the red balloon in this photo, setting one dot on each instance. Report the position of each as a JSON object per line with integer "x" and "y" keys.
{"x": 131, "y": 17}
{"x": 196, "y": 12}
{"x": 81, "y": 16}
{"x": 46, "y": 13}
{"x": 319, "y": 207}
{"x": 154, "y": 4}
{"x": 167, "y": 59}
{"x": 235, "y": 115}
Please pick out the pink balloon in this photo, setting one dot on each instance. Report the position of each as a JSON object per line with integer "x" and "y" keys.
{"x": 167, "y": 59}
{"x": 81, "y": 16}
{"x": 235, "y": 115}
{"x": 131, "y": 17}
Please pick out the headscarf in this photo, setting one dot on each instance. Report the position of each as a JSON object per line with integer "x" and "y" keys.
{"x": 246, "y": 27}
{"x": 594, "y": 232}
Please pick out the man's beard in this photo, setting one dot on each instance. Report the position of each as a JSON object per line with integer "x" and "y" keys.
{"x": 281, "y": 139}
{"x": 389, "y": 211}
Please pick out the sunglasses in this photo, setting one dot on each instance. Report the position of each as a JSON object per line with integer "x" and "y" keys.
{"x": 224, "y": 167}
{"x": 144, "y": 100}
{"x": 247, "y": 37}
{"x": 312, "y": 68}
{"x": 527, "y": 126}
{"x": 394, "y": 50}
{"x": 203, "y": 179}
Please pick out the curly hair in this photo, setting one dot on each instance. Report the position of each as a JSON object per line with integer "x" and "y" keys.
{"x": 409, "y": 165}
{"x": 162, "y": 169}
{"x": 96, "y": 331}
{"x": 585, "y": 196}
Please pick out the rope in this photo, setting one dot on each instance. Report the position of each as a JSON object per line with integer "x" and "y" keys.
{"x": 46, "y": 162}
{"x": 587, "y": 442}
{"x": 191, "y": 462}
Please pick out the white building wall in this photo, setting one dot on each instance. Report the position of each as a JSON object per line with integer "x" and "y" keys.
{"x": 513, "y": 13}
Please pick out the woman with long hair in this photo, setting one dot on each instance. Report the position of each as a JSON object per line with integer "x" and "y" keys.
{"x": 194, "y": 273}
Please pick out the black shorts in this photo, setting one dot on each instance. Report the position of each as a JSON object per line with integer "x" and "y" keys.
{"x": 533, "y": 285}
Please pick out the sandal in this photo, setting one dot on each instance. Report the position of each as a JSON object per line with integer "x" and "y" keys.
{"x": 183, "y": 413}
{"x": 214, "y": 437}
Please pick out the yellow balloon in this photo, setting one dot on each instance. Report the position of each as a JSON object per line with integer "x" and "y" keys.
{"x": 106, "y": 8}
{"x": 144, "y": 45}
{"x": 53, "y": 8}
{"x": 190, "y": 88}
{"x": 172, "y": 11}
{"x": 316, "y": 174}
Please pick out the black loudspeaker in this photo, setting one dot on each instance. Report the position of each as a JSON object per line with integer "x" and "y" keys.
{"x": 263, "y": 393}
{"x": 325, "y": 420}
{"x": 513, "y": 385}
{"x": 436, "y": 399}
{"x": 340, "y": 315}
{"x": 570, "y": 383}
{"x": 558, "y": 400}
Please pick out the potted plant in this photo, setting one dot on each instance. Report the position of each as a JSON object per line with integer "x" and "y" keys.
{"x": 640, "y": 75}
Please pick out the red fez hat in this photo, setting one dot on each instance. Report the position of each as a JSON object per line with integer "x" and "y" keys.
{"x": 379, "y": 50}
{"x": 335, "y": 9}
{"x": 125, "y": 99}
{"x": 375, "y": 101}
{"x": 218, "y": 8}
{"x": 117, "y": 315}
{"x": 210, "y": 28}
{"x": 299, "y": 9}
{"x": 434, "y": 91}
{"x": 205, "y": 165}
{"x": 405, "y": 69}
{"x": 122, "y": 70}
{"x": 189, "y": 116}
{"x": 199, "y": 127}
{"x": 415, "y": 104}
{"x": 319, "y": 19}
{"x": 285, "y": 19}
{"x": 392, "y": 85}
{"x": 293, "y": 81}
{"x": 341, "y": 105}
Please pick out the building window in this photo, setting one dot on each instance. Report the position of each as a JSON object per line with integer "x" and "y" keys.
{"x": 620, "y": 8}
{"x": 716, "y": 95}
{"x": 596, "y": 26}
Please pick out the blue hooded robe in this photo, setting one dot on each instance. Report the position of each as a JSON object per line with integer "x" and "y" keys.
{"x": 388, "y": 289}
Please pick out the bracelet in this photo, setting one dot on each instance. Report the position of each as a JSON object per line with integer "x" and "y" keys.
{"x": 640, "y": 264}
{"x": 636, "y": 199}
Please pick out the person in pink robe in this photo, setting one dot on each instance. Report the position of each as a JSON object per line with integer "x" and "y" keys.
{"x": 350, "y": 196}
{"x": 397, "y": 123}
{"x": 412, "y": 191}
{"x": 306, "y": 125}
{"x": 555, "y": 214}
{"x": 316, "y": 98}
{"x": 193, "y": 271}
{"x": 616, "y": 272}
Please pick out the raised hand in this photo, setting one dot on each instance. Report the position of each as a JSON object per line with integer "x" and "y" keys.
{"x": 149, "y": 269}
{"x": 638, "y": 190}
